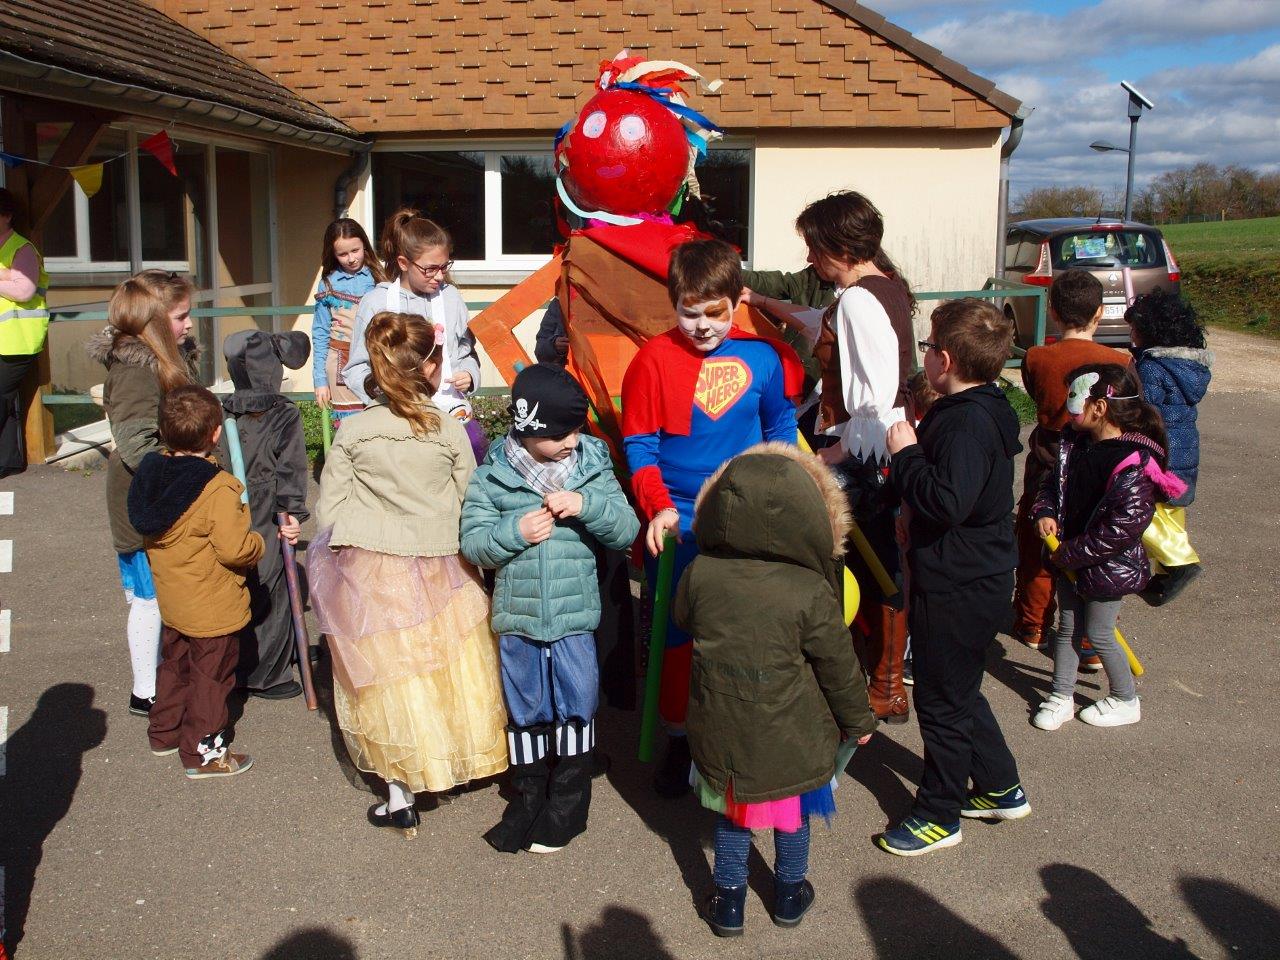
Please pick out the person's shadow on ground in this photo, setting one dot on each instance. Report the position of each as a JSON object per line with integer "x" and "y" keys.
{"x": 44, "y": 761}
{"x": 618, "y": 935}
{"x": 1032, "y": 683}
{"x": 905, "y": 923}
{"x": 878, "y": 766}
{"x": 313, "y": 943}
{"x": 1099, "y": 921}
{"x": 1242, "y": 922}
{"x": 687, "y": 828}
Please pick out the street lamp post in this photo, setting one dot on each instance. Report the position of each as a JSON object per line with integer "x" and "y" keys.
{"x": 1137, "y": 103}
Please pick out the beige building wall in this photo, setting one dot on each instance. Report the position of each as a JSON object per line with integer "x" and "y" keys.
{"x": 937, "y": 190}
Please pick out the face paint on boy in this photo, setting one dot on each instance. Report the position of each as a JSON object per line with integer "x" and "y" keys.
{"x": 705, "y": 322}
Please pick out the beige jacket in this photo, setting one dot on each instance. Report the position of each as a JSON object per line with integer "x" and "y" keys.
{"x": 199, "y": 563}
{"x": 386, "y": 490}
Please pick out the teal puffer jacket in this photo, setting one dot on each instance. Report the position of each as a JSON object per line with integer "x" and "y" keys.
{"x": 548, "y": 590}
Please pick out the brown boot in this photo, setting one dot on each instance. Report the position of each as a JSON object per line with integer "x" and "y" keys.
{"x": 882, "y": 651}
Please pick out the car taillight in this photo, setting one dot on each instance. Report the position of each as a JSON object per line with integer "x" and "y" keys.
{"x": 1174, "y": 274}
{"x": 1042, "y": 275}
{"x": 1050, "y": 338}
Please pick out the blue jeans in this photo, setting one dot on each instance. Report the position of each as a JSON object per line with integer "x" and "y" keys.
{"x": 550, "y": 682}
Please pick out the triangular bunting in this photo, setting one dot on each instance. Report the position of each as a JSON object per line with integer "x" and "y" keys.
{"x": 89, "y": 177}
{"x": 10, "y": 160}
{"x": 161, "y": 147}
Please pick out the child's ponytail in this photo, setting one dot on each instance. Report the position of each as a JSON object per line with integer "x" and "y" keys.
{"x": 1126, "y": 408}
{"x": 406, "y": 233}
{"x": 398, "y": 344}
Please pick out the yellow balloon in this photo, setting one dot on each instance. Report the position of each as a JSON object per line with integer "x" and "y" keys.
{"x": 852, "y": 597}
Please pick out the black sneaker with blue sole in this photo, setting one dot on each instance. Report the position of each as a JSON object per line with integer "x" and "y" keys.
{"x": 1009, "y": 804}
{"x": 914, "y": 837}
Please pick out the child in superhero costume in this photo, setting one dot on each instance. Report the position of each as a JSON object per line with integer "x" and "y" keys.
{"x": 692, "y": 398}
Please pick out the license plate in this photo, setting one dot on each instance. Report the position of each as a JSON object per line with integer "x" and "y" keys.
{"x": 1113, "y": 311}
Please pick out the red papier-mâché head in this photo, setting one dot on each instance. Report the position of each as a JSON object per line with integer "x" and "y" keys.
{"x": 626, "y": 154}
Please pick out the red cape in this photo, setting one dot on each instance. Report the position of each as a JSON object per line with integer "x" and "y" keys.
{"x": 657, "y": 392}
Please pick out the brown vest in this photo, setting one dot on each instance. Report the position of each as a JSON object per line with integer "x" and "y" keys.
{"x": 896, "y": 301}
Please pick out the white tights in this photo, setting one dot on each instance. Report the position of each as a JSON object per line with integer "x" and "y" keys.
{"x": 144, "y": 645}
{"x": 399, "y": 795}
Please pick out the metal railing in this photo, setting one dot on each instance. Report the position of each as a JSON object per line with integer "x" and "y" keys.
{"x": 994, "y": 289}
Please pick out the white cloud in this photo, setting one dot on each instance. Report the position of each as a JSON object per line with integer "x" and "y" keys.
{"x": 1016, "y": 38}
{"x": 1215, "y": 114}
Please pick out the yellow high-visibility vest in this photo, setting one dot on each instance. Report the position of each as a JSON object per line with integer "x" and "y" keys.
{"x": 23, "y": 326}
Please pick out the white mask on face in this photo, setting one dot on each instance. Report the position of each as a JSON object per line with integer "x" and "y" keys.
{"x": 706, "y": 324}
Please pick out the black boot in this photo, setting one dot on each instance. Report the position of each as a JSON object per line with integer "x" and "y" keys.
{"x": 530, "y": 774}
{"x": 791, "y": 901}
{"x": 725, "y": 911}
{"x": 1165, "y": 586}
{"x": 569, "y": 799}
{"x": 672, "y": 779}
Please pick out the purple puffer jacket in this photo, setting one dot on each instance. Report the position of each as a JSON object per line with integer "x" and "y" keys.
{"x": 1108, "y": 558}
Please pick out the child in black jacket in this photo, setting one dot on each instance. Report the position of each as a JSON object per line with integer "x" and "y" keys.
{"x": 958, "y": 481}
{"x": 275, "y": 464}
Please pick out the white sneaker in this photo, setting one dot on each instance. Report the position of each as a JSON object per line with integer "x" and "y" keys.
{"x": 1111, "y": 712}
{"x": 1054, "y": 712}
{"x": 543, "y": 848}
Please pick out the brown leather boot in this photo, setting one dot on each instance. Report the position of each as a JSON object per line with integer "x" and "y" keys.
{"x": 881, "y": 651}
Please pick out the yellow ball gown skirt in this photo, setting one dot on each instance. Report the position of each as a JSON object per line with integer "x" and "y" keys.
{"x": 417, "y": 688}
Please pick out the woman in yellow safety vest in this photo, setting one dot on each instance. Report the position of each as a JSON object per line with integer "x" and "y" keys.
{"x": 24, "y": 321}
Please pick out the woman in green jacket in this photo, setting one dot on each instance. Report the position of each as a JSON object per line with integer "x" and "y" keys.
{"x": 775, "y": 685}
{"x": 147, "y": 352}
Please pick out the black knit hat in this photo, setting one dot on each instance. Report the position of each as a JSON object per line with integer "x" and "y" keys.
{"x": 546, "y": 402}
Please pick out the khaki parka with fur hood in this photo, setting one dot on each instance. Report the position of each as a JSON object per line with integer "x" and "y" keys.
{"x": 131, "y": 398}
{"x": 774, "y": 680}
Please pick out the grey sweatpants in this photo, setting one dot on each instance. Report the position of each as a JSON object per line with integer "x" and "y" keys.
{"x": 1096, "y": 619}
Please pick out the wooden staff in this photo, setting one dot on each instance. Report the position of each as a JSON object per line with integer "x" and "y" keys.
{"x": 300, "y": 637}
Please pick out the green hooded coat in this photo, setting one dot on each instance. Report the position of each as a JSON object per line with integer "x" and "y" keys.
{"x": 774, "y": 679}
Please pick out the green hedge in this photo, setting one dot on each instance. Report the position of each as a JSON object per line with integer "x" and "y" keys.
{"x": 491, "y": 411}
{"x": 1239, "y": 294}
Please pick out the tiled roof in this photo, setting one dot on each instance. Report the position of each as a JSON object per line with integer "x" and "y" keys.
{"x": 437, "y": 66}
{"x": 131, "y": 43}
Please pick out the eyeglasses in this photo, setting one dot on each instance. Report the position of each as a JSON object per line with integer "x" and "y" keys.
{"x": 432, "y": 270}
{"x": 927, "y": 345}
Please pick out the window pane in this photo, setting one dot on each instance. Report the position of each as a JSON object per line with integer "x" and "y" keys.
{"x": 244, "y": 227}
{"x": 174, "y": 210}
{"x": 444, "y": 186}
{"x": 109, "y": 208}
{"x": 725, "y": 179}
{"x": 59, "y": 238}
{"x": 528, "y": 211}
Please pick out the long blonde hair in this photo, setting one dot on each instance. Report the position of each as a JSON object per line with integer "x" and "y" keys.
{"x": 399, "y": 343}
{"x": 140, "y": 308}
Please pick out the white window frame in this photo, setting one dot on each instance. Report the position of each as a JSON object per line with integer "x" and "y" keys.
{"x": 496, "y": 267}
{"x": 82, "y": 263}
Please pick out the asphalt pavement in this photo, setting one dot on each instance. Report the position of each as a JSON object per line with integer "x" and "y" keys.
{"x": 1152, "y": 841}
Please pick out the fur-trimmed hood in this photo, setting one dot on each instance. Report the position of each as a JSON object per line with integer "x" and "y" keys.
{"x": 108, "y": 346}
{"x": 774, "y": 502}
{"x": 1194, "y": 354}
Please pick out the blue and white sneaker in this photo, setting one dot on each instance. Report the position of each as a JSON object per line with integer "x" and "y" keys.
{"x": 914, "y": 836}
{"x": 1010, "y": 804}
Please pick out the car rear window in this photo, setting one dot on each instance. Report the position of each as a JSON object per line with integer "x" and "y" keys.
{"x": 1107, "y": 248}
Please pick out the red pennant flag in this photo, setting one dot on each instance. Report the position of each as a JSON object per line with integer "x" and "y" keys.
{"x": 161, "y": 147}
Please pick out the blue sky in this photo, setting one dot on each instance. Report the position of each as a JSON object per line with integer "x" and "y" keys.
{"x": 1212, "y": 67}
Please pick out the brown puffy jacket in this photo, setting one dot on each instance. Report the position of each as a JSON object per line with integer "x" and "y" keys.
{"x": 199, "y": 542}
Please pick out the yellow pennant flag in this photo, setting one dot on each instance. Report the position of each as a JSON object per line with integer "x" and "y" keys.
{"x": 89, "y": 177}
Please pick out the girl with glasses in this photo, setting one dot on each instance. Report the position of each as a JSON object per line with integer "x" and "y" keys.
{"x": 417, "y": 254}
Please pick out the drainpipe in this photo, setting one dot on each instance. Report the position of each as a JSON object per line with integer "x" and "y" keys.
{"x": 1002, "y": 216}
{"x": 342, "y": 186}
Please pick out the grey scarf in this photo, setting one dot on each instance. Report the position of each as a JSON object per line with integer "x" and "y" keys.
{"x": 543, "y": 477}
